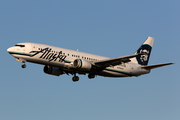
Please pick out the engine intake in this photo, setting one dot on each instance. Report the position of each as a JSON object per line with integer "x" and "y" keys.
{"x": 53, "y": 70}
{"x": 82, "y": 64}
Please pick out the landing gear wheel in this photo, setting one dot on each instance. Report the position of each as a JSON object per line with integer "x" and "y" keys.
{"x": 75, "y": 78}
{"x": 23, "y": 66}
{"x": 91, "y": 76}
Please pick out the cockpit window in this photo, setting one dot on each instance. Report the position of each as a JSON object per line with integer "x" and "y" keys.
{"x": 20, "y": 45}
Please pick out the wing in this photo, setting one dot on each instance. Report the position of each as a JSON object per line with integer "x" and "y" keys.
{"x": 115, "y": 61}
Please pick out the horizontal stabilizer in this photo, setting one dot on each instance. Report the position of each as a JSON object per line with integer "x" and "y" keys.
{"x": 155, "y": 66}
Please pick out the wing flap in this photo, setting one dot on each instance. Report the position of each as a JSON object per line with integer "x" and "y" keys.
{"x": 156, "y": 66}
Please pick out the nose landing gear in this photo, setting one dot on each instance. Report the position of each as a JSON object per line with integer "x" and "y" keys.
{"x": 24, "y": 65}
{"x": 22, "y": 61}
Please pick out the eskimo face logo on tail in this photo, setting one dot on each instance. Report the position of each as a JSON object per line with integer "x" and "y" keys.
{"x": 47, "y": 54}
{"x": 143, "y": 59}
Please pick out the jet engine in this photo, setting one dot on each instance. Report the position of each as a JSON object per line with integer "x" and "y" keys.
{"x": 52, "y": 70}
{"x": 82, "y": 64}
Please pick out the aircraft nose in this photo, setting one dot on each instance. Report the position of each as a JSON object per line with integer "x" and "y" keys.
{"x": 10, "y": 49}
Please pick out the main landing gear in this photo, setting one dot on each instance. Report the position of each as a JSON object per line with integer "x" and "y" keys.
{"x": 91, "y": 76}
{"x": 75, "y": 78}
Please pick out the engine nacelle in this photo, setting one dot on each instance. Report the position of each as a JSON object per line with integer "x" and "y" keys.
{"x": 53, "y": 70}
{"x": 82, "y": 64}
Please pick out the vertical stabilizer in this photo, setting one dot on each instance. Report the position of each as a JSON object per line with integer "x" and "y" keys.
{"x": 146, "y": 48}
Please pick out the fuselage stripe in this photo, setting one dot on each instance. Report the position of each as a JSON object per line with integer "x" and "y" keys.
{"x": 20, "y": 53}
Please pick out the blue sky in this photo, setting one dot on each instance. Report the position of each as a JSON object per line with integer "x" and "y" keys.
{"x": 104, "y": 27}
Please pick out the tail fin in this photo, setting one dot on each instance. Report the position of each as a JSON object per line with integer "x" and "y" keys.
{"x": 145, "y": 48}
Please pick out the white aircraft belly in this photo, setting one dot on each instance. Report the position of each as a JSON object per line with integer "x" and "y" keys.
{"x": 114, "y": 73}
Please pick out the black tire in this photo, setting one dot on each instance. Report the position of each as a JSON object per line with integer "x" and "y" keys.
{"x": 23, "y": 66}
{"x": 75, "y": 79}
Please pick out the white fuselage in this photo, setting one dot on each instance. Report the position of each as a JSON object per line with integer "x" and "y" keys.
{"x": 63, "y": 58}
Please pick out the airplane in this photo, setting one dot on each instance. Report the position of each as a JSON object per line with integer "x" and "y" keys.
{"x": 58, "y": 61}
